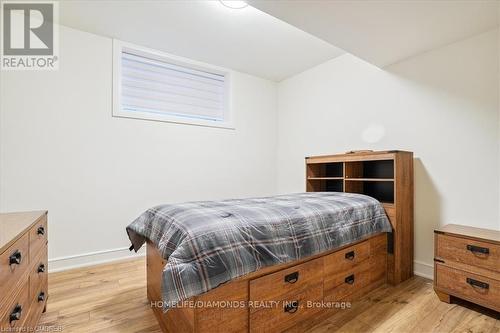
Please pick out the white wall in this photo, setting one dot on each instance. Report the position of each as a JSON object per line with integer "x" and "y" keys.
{"x": 442, "y": 105}
{"x": 62, "y": 150}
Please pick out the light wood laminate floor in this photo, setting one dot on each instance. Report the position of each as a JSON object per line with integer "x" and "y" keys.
{"x": 112, "y": 298}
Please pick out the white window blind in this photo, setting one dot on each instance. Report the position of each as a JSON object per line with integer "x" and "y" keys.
{"x": 156, "y": 87}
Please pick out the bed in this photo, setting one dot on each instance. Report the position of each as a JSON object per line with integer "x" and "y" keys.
{"x": 262, "y": 264}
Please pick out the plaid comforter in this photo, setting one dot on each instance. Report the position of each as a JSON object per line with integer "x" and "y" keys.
{"x": 208, "y": 243}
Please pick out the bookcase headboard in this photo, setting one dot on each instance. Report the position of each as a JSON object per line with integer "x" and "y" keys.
{"x": 384, "y": 175}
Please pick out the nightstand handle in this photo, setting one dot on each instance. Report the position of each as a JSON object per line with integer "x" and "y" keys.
{"x": 476, "y": 283}
{"x": 478, "y": 249}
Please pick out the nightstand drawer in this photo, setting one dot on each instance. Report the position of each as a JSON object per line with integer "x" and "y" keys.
{"x": 467, "y": 251}
{"x": 469, "y": 286}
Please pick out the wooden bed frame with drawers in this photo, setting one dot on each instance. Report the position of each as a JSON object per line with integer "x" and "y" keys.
{"x": 297, "y": 295}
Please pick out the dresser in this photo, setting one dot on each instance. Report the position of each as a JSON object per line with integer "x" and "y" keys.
{"x": 23, "y": 269}
{"x": 467, "y": 265}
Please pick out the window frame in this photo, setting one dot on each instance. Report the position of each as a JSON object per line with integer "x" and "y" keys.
{"x": 119, "y": 46}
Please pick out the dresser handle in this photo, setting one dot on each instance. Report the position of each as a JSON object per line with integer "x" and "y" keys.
{"x": 476, "y": 283}
{"x": 15, "y": 258}
{"x": 292, "y": 307}
{"x": 41, "y": 297}
{"x": 40, "y": 231}
{"x": 478, "y": 249}
{"x": 41, "y": 268}
{"x": 16, "y": 313}
{"x": 292, "y": 278}
{"x": 350, "y": 255}
{"x": 349, "y": 279}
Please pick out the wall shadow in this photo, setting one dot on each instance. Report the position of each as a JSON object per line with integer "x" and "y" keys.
{"x": 428, "y": 213}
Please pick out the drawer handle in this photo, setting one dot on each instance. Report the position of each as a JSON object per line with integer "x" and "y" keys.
{"x": 476, "y": 283}
{"x": 478, "y": 249}
{"x": 16, "y": 313}
{"x": 349, "y": 279}
{"x": 15, "y": 258}
{"x": 292, "y": 278}
{"x": 292, "y": 307}
{"x": 40, "y": 231}
{"x": 350, "y": 255}
{"x": 41, "y": 268}
{"x": 41, "y": 297}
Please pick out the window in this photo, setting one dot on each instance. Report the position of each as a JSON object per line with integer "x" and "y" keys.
{"x": 151, "y": 85}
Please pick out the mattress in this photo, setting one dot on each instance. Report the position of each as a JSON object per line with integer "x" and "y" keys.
{"x": 207, "y": 243}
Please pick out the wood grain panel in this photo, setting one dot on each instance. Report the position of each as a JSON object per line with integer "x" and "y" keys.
{"x": 39, "y": 273}
{"x": 19, "y": 304}
{"x": 339, "y": 286}
{"x": 469, "y": 286}
{"x": 275, "y": 285}
{"x": 346, "y": 259}
{"x": 11, "y": 274}
{"x": 278, "y": 318}
{"x": 468, "y": 251}
{"x": 38, "y": 238}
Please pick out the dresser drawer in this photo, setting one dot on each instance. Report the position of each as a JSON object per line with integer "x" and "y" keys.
{"x": 293, "y": 280}
{"x": 467, "y": 251}
{"x": 16, "y": 311}
{"x": 346, "y": 259}
{"x": 38, "y": 274}
{"x": 472, "y": 287}
{"x": 14, "y": 263}
{"x": 38, "y": 302}
{"x": 287, "y": 312}
{"x": 38, "y": 238}
{"x": 339, "y": 286}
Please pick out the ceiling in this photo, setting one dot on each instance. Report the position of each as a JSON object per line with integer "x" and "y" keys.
{"x": 246, "y": 40}
{"x": 386, "y": 31}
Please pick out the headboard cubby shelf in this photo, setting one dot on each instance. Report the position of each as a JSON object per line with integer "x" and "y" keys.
{"x": 384, "y": 175}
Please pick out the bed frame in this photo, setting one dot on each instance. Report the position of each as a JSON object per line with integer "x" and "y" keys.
{"x": 300, "y": 294}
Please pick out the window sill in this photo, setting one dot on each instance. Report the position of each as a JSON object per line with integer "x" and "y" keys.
{"x": 176, "y": 120}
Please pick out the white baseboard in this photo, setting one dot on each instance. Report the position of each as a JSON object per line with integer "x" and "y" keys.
{"x": 423, "y": 269}
{"x": 92, "y": 258}
{"x": 100, "y": 257}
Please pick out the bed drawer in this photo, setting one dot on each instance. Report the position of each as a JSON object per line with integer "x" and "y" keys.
{"x": 346, "y": 259}
{"x": 38, "y": 238}
{"x": 14, "y": 263}
{"x": 16, "y": 311}
{"x": 469, "y": 286}
{"x": 38, "y": 274}
{"x": 287, "y": 312}
{"x": 341, "y": 285}
{"x": 467, "y": 251}
{"x": 293, "y": 280}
